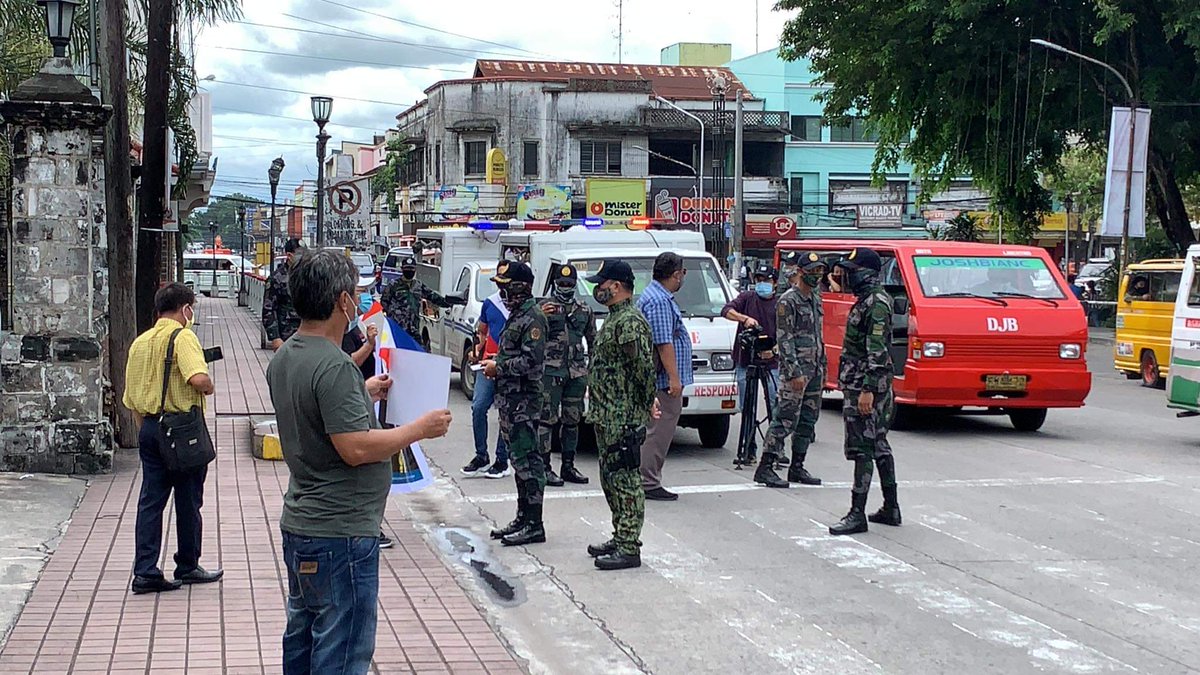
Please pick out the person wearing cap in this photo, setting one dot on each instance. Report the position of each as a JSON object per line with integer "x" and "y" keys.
{"x": 621, "y": 385}
{"x": 279, "y": 318}
{"x": 755, "y": 309}
{"x": 865, "y": 378}
{"x": 673, "y": 345}
{"x": 569, "y": 323}
{"x": 518, "y": 369}
{"x": 402, "y": 299}
{"x": 492, "y": 317}
{"x": 802, "y": 370}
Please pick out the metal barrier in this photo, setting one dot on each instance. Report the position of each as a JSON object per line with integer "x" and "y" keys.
{"x": 256, "y": 288}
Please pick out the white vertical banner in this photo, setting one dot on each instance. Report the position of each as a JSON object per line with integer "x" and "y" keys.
{"x": 1117, "y": 179}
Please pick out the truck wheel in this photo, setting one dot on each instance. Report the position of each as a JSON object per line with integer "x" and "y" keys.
{"x": 714, "y": 431}
{"x": 1150, "y": 376}
{"x": 1028, "y": 419}
{"x": 466, "y": 376}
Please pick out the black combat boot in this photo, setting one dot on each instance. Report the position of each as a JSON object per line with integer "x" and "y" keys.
{"x": 570, "y": 474}
{"x": 618, "y": 561}
{"x": 889, "y": 513}
{"x": 798, "y": 474}
{"x": 855, "y": 521}
{"x": 765, "y": 473}
{"x": 552, "y": 478}
{"x": 597, "y": 550}
{"x": 518, "y": 522}
{"x": 532, "y": 533}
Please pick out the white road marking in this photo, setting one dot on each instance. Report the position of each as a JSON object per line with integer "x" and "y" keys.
{"x": 837, "y": 485}
{"x": 766, "y": 597}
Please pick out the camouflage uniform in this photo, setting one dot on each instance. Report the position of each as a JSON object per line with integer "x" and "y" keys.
{"x": 866, "y": 365}
{"x": 279, "y": 318}
{"x": 402, "y": 302}
{"x": 558, "y": 345}
{"x": 801, "y": 355}
{"x": 566, "y": 374}
{"x": 519, "y": 373}
{"x": 621, "y": 383}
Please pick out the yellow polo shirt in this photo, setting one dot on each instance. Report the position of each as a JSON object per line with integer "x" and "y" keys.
{"x": 144, "y": 372}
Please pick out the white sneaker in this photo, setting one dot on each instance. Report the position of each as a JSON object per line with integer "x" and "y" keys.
{"x": 498, "y": 470}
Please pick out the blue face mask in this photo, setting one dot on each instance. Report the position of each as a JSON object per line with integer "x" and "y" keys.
{"x": 365, "y": 301}
{"x": 764, "y": 289}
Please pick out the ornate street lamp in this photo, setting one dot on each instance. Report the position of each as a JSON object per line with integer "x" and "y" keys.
{"x": 241, "y": 215}
{"x": 60, "y": 15}
{"x": 273, "y": 174}
{"x": 322, "y": 107}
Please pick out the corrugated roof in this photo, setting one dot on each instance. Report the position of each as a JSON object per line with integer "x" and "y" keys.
{"x": 671, "y": 82}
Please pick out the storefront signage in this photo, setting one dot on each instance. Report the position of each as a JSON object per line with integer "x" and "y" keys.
{"x": 676, "y": 200}
{"x": 616, "y": 200}
{"x": 544, "y": 202}
{"x": 455, "y": 203}
{"x": 497, "y": 167}
{"x": 770, "y": 227}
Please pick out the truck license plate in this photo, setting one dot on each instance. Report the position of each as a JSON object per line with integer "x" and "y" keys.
{"x": 1005, "y": 382}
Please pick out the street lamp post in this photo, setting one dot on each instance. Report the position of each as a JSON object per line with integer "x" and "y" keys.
{"x": 720, "y": 241}
{"x": 1123, "y": 260}
{"x": 60, "y": 15}
{"x": 322, "y": 106}
{"x": 214, "y": 228}
{"x": 273, "y": 174}
{"x": 1068, "y": 204}
{"x": 241, "y": 214}
{"x": 700, "y": 174}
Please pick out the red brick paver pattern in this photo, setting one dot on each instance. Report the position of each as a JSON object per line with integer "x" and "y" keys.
{"x": 81, "y": 617}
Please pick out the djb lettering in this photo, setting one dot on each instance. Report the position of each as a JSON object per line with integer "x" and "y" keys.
{"x": 1007, "y": 324}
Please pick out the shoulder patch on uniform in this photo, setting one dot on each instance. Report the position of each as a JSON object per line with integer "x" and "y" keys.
{"x": 877, "y": 329}
{"x": 535, "y": 333}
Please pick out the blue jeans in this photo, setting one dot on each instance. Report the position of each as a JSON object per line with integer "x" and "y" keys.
{"x": 485, "y": 395}
{"x": 772, "y": 384}
{"x": 333, "y": 595}
{"x": 157, "y": 485}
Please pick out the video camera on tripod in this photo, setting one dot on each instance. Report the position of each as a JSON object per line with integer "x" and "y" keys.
{"x": 760, "y": 348}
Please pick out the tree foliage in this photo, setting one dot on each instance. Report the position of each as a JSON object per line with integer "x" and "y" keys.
{"x": 955, "y": 87}
{"x": 223, "y": 212}
{"x": 387, "y": 178}
{"x": 963, "y": 227}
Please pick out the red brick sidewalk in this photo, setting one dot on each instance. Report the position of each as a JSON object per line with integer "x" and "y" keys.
{"x": 81, "y": 617}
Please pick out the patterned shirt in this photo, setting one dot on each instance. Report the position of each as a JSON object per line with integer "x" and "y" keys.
{"x": 801, "y": 347}
{"x": 558, "y": 342}
{"x": 144, "y": 370}
{"x": 520, "y": 365}
{"x": 658, "y": 305}
{"x": 581, "y": 328}
{"x": 279, "y": 318}
{"x": 621, "y": 381}
{"x": 866, "y": 362}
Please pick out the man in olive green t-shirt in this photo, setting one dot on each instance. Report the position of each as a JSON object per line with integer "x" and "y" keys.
{"x": 340, "y": 467}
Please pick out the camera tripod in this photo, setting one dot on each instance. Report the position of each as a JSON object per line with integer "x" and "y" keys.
{"x": 758, "y": 376}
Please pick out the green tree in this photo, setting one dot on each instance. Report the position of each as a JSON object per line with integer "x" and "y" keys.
{"x": 955, "y": 87}
{"x": 387, "y": 178}
{"x": 223, "y": 212}
{"x": 963, "y": 227}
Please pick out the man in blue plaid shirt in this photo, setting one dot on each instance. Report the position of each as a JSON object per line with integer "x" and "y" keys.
{"x": 673, "y": 348}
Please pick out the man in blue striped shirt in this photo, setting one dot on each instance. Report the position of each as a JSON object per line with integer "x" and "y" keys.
{"x": 673, "y": 348}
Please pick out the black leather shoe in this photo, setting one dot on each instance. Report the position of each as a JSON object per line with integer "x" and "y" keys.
{"x": 597, "y": 550}
{"x": 618, "y": 561}
{"x": 532, "y": 533}
{"x": 799, "y": 474}
{"x": 765, "y": 474}
{"x": 855, "y": 522}
{"x": 552, "y": 478}
{"x": 514, "y": 526}
{"x": 661, "y": 494}
{"x": 154, "y": 585}
{"x": 572, "y": 475}
{"x": 888, "y": 515}
{"x": 200, "y": 576}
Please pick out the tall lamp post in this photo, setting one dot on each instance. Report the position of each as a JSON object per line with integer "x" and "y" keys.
{"x": 60, "y": 16}
{"x": 214, "y": 228}
{"x": 322, "y": 106}
{"x": 1123, "y": 260}
{"x": 1068, "y": 205}
{"x": 700, "y": 175}
{"x": 273, "y": 174}
{"x": 241, "y": 215}
{"x": 720, "y": 241}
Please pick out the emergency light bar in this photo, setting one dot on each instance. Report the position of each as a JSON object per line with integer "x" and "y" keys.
{"x": 537, "y": 225}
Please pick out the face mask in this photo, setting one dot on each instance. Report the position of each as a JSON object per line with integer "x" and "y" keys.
{"x": 812, "y": 279}
{"x": 408, "y": 274}
{"x": 351, "y": 321}
{"x": 515, "y": 294}
{"x": 564, "y": 293}
{"x": 188, "y": 322}
{"x": 764, "y": 289}
{"x": 602, "y": 295}
{"x": 861, "y": 278}
{"x": 365, "y": 301}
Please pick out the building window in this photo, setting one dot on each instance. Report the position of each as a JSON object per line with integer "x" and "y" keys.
{"x": 437, "y": 162}
{"x": 529, "y": 160}
{"x": 806, "y": 127}
{"x": 854, "y": 132}
{"x": 600, "y": 157}
{"x": 475, "y": 158}
{"x": 796, "y": 195}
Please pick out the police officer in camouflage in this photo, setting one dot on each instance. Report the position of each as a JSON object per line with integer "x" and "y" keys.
{"x": 518, "y": 369}
{"x": 570, "y": 323}
{"x": 402, "y": 298}
{"x": 865, "y": 378}
{"x": 279, "y": 318}
{"x": 801, "y": 371}
{"x": 622, "y": 388}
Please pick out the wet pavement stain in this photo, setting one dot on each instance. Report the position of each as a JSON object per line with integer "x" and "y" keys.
{"x": 469, "y": 549}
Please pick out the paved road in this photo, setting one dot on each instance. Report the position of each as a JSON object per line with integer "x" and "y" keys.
{"x": 1070, "y": 550}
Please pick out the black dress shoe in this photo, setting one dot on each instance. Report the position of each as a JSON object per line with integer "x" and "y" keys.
{"x": 618, "y": 561}
{"x": 199, "y": 576}
{"x": 661, "y": 494}
{"x": 597, "y": 550}
{"x": 154, "y": 585}
{"x": 571, "y": 475}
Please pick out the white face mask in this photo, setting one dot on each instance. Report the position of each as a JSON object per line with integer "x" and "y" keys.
{"x": 188, "y": 322}
{"x": 351, "y": 321}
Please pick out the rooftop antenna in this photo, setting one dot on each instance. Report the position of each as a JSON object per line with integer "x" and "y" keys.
{"x": 756, "y": 2}
{"x": 620, "y": 31}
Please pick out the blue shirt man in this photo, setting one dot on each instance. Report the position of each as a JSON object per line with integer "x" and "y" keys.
{"x": 673, "y": 347}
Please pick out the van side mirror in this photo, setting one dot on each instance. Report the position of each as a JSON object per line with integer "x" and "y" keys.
{"x": 899, "y": 305}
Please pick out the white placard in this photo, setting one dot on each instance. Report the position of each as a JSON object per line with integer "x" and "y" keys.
{"x": 420, "y": 383}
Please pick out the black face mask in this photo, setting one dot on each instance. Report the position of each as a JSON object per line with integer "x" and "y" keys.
{"x": 862, "y": 279}
{"x": 408, "y": 274}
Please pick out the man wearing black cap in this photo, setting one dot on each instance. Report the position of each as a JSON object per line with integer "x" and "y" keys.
{"x": 518, "y": 369}
{"x": 279, "y": 318}
{"x": 570, "y": 323}
{"x": 622, "y": 390}
{"x": 865, "y": 377}
{"x": 402, "y": 299}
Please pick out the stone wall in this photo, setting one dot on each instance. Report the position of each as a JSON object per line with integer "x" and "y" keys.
{"x": 54, "y": 415}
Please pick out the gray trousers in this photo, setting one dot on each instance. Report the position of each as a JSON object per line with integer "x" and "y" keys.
{"x": 659, "y": 433}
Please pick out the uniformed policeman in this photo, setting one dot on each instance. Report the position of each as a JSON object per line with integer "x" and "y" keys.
{"x": 518, "y": 369}
{"x": 801, "y": 370}
{"x": 865, "y": 378}
{"x": 402, "y": 299}
{"x": 279, "y": 318}
{"x": 571, "y": 323}
{"x": 621, "y": 385}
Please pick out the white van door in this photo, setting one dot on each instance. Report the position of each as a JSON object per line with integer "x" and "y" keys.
{"x": 1183, "y": 382}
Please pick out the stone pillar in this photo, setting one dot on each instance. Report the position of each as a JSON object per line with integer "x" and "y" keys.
{"x": 54, "y": 416}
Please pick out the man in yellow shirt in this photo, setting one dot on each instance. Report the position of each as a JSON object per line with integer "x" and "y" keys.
{"x": 187, "y": 385}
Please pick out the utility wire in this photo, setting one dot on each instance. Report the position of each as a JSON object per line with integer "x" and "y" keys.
{"x": 365, "y": 37}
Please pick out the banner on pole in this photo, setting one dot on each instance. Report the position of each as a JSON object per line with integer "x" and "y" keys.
{"x": 1117, "y": 178}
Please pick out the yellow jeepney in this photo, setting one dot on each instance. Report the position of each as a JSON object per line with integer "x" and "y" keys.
{"x": 1145, "y": 309}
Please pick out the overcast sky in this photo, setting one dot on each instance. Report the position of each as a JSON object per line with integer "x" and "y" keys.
{"x": 392, "y": 51}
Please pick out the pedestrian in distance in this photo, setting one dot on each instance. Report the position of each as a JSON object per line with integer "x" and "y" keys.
{"x": 865, "y": 378}
{"x": 673, "y": 347}
{"x": 802, "y": 357}
{"x": 518, "y": 369}
{"x": 402, "y": 299}
{"x": 570, "y": 324}
{"x": 754, "y": 310}
{"x": 621, "y": 382}
{"x": 279, "y": 317}
{"x": 492, "y": 317}
{"x": 151, "y": 391}
{"x": 340, "y": 467}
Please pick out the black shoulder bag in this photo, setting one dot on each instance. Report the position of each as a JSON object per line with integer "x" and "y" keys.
{"x": 183, "y": 438}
